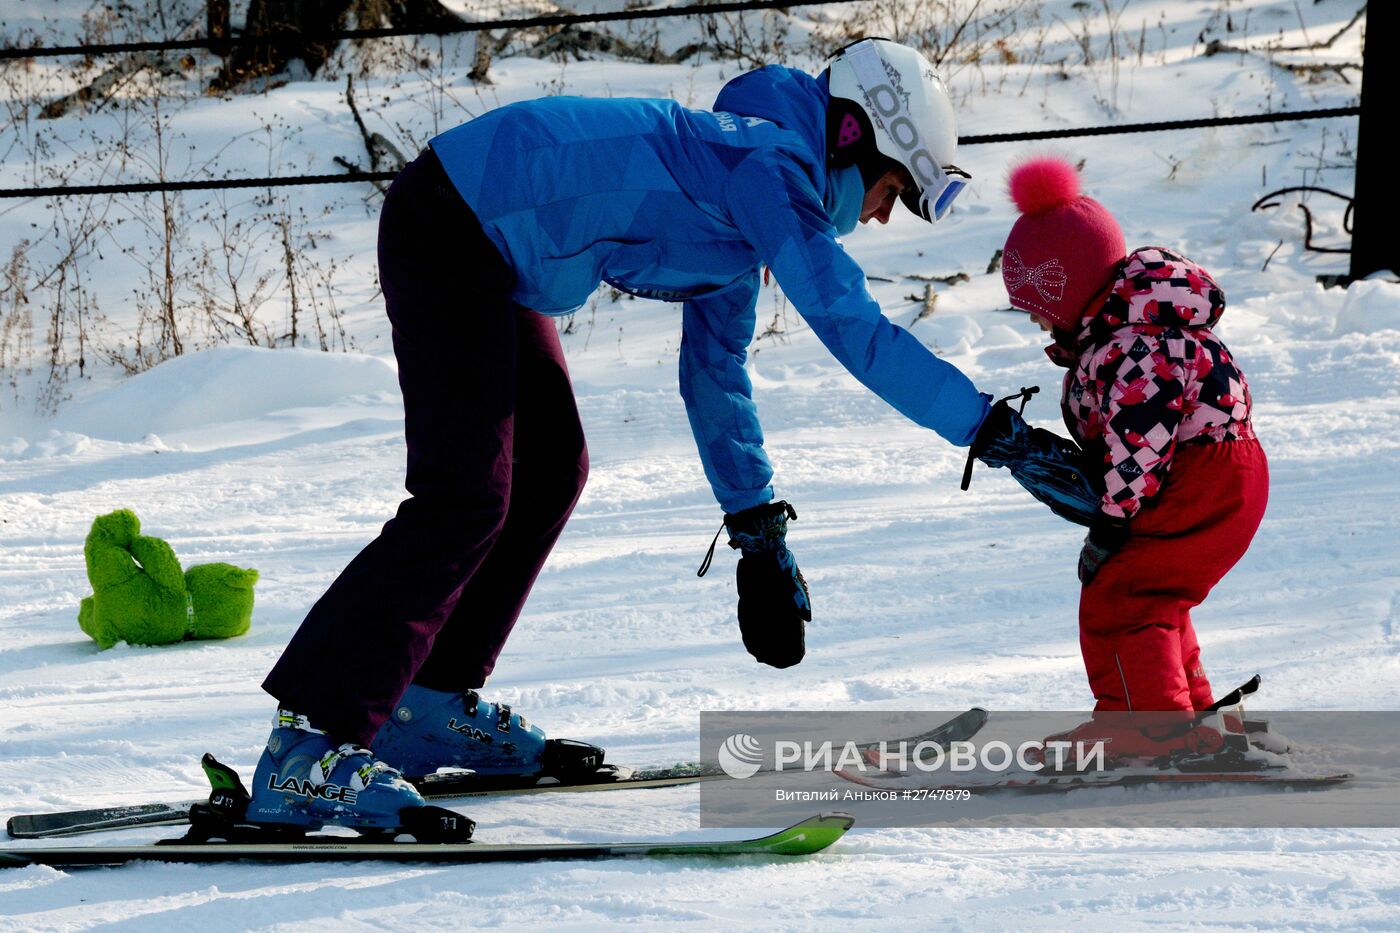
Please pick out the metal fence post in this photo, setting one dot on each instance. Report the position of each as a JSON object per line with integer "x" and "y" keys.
{"x": 1373, "y": 244}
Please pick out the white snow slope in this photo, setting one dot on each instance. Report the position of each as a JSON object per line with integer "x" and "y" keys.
{"x": 925, "y": 597}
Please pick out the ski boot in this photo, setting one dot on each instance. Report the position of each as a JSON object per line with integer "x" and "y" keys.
{"x": 1116, "y": 740}
{"x": 306, "y": 780}
{"x": 432, "y": 729}
{"x": 1218, "y": 738}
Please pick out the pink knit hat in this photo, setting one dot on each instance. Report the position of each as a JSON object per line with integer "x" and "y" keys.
{"x": 1065, "y": 248}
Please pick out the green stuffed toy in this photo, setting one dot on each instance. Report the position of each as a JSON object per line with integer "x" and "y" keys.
{"x": 141, "y": 596}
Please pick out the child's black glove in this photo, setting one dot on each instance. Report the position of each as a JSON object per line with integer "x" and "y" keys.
{"x": 1048, "y": 466}
{"x": 1106, "y": 536}
{"x": 774, "y": 605}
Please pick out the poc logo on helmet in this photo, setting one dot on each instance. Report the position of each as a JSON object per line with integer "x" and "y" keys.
{"x": 921, "y": 164}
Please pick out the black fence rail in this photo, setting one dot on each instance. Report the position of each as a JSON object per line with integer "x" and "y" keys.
{"x": 209, "y": 184}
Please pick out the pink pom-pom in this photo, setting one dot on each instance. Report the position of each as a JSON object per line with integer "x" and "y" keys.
{"x": 1039, "y": 184}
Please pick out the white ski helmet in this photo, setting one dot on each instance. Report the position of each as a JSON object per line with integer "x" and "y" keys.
{"x": 890, "y": 92}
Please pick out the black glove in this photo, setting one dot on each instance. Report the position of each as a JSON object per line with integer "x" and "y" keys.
{"x": 1106, "y": 535}
{"x": 774, "y": 605}
{"x": 1048, "y": 466}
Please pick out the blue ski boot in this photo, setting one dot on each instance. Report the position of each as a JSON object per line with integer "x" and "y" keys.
{"x": 305, "y": 779}
{"x": 432, "y": 729}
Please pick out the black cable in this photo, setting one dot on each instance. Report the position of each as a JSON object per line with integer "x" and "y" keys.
{"x": 206, "y": 184}
{"x": 287, "y": 180}
{"x": 1161, "y": 125}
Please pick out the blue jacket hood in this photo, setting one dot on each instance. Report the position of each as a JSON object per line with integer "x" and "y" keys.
{"x": 797, "y": 102}
{"x": 793, "y": 99}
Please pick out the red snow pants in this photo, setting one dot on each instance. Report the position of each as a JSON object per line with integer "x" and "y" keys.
{"x": 1135, "y": 629}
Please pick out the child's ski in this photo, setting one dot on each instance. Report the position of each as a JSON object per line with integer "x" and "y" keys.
{"x": 1237, "y": 763}
{"x": 810, "y": 836}
{"x": 443, "y": 786}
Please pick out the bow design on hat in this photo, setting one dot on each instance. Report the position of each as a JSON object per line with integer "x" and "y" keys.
{"x": 1048, "y": 278}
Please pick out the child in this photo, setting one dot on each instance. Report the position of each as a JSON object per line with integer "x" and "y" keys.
{"x": 1155, "y": 397}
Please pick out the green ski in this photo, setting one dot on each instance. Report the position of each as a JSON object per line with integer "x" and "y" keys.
{"x": 804, "y": 838}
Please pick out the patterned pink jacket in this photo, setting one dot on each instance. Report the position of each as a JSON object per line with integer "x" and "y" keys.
{"x": 1146, "y": 374}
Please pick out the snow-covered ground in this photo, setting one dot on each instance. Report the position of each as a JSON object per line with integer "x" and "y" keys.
{"x": 925, "y": 597}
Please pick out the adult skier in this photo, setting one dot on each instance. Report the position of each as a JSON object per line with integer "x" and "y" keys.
{"x": 519, "y": 215}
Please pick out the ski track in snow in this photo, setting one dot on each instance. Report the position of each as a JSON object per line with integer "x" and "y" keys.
{"x": 925, "y": 597}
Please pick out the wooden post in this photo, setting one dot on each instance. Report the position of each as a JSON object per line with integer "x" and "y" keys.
{"x": 1376, "y": 205}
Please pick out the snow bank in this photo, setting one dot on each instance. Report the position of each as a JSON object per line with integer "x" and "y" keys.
{"x": 221, "y": 385}
{"x": 1371, "y": 305}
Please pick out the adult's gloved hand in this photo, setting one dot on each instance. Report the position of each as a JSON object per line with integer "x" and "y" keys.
{"x": 1105, "y": 538}
{"x": 1046, "y": 465}
{"x": 774, "y": 605}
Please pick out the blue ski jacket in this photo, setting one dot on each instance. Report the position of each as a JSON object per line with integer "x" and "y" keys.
{"x": 688, "y": 206}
